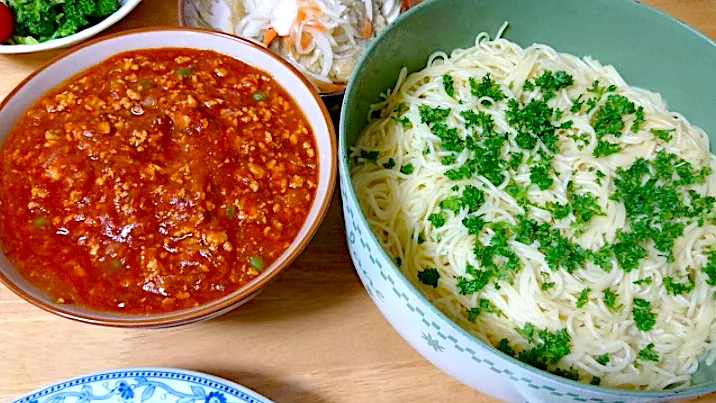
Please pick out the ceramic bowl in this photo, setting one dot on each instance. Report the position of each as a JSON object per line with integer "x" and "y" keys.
{"x": 77, "y": 60}
{"x": 650, "y": 49}
{"x": 217, "y": 15}
{"x": 124, "y": 9}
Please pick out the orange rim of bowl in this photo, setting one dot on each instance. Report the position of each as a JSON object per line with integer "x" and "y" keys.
{"x": 181, "y": 317}
{"x": 181, "y": 15}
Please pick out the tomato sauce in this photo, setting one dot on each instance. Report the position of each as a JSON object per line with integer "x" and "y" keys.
{"x": 155, "y": 181}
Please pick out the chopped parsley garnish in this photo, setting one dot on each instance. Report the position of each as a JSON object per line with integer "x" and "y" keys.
{"x": 677, "y": 288}
{"x": 627, "y": 251}
{"x": 644, "y": 281}
{"x": 584, "y": 208}
{"x": 483, "y": 306}
{"x": 449, "y": 138}
{"x": 437, "y": 219}
{"x": 448, "y": 85}
{"x": 535, "y": 119}
{"x": 664, "y": 134}
{"x": 605, "y": 148}
{"x": 452, "y": 203}
{"x": 603, "y": 359}
{"x": 558, "y": 251}
{"x": 595, "y": 380}
{"x": 528, "y": 86}
{"x": 547, "y": 285}
{"x": 497, "y": 256}
{"x": 710, "y": 269}
{"x": 432, "y": 115}
{"x": 404, "y": 121}
{"x": 551, "y": 347}
{"x": 407, "y": 169}
{"x": 515, "y": 159}
{"x": 448, "y": 159}
{"x": 608, "y": 120}
{"x": 610, "y": 300}
{"x": 371, "y": 156}
{"x": 528, "y": 331}
{"x": 540, "y": 174}
{"x": 549, "y": 81}
{"x": 577, "y": 105}
{"x": 464, "y": 172}
{"x": 581, "y": 140}
{"x": 478, "y": 280}
{"x": 526, "y": 141}
{"x": 479, "y": 119}
{"x": 398, "y": 261}
{"x": 648, "y": 354}
{"x": 571, "y": 373}
{"x": 504, "y": 346}
{"x": 600, "y": 90}
{"x": 429, "y": 276}
{"x": 638, "y": 120}
{"x": 583, "y": 297}
{"x": 473, "y": 223}
{"x": 390, "y": 164}
{"x": 486, "y": 88}
{"x": 472, "y": 197}
{"x": 643, "y": 317}
{"x": 487, "y": 159}
{"x": 519, "y": 193}
{"x": 421, "y": 238}
{"x": 655, "y": 208}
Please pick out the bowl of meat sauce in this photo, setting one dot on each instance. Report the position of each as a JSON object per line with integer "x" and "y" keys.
{"x": 163, "y": 177}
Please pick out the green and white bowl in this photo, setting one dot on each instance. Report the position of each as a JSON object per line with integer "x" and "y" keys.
{"x": 650, "y": 49}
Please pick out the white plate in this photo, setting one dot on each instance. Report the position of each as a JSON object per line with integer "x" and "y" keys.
{"x": 144, "y": 385}
{"x": 124, "y": 9}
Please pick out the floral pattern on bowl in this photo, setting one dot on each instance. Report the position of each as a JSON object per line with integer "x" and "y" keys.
{"x": 144, "y": 385}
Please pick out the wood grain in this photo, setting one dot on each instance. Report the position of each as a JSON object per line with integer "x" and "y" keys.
{"x": 312, "y": 336}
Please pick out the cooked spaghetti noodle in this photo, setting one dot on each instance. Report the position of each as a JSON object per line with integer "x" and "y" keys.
{"x": 549, "y": 208}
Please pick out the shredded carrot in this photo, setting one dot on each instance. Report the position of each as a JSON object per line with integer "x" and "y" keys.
{"x": 305, "y": 39}
{"x": 308, "y": 14}
{"x": 288, "y": 44}
{"x": 269, "y": 36}
{"x": 367, "y": 29}
{"x": 329, "y": 87}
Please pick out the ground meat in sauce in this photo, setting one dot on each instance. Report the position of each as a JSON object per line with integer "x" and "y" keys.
{"x": 155, "y": 181}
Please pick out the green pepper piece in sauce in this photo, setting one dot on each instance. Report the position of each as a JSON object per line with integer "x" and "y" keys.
{"x": 257, "y": 262}
{"x": 260, "y": 96}
{"x": 39, "y": 221}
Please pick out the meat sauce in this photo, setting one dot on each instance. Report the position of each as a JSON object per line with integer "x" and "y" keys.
{"x": 155, "y": 181}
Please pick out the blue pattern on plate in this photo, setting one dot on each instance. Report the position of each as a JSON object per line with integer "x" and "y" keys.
{"x": 143, "y": 386}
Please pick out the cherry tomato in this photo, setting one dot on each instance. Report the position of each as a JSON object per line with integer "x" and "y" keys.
{"x": 6, "y": 23}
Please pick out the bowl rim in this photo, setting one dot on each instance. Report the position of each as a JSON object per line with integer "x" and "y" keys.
{"x": 79, "y": 36}
{"x": 220, "y": 305}
{"x": 350, "y": 193}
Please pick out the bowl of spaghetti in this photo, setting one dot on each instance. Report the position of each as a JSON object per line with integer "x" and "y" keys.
{"x": 533, "y": 208}
{"x": 323, "y": 39}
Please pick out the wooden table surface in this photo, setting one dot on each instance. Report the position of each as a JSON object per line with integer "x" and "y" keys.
{"x": 312, "y": 336}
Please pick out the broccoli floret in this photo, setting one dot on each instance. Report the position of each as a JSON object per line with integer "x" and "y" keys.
{"x": 43, "y": 20}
